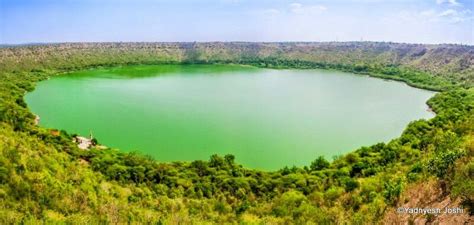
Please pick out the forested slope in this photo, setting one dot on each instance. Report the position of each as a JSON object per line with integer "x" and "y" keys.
{"x": 454, "y": 63}
{"x": 45, "y": 177}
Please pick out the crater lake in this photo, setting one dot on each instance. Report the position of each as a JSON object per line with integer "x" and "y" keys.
{"x": 267, "y": 118}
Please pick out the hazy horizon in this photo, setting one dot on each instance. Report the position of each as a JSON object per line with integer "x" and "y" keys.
{"x": 399, "y": 21}
{"x": 340, "y": 42}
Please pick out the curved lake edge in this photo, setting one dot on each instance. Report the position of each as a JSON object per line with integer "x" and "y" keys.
{"x": 372, "y": 75}
{"x": 65, "y": 73}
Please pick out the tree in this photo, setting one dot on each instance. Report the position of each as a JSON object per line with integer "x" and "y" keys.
{"x": 229, "y": 158}
{"x": 392, "y": 191}
{"x": 351, "y": 184}
{"x": 447, "y": 151}
{"x": 216, "y": 161}
{"x": 319, "y": 164}
{"x": 201, "y": 167}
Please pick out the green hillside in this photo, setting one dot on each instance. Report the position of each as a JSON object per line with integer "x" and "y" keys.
{"x": 45, "y": 178}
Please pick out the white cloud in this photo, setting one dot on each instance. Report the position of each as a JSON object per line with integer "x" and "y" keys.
{"x": 299, "y": 8}
{"x": 432, "y": 15}
{"x": 295, "y": 6}
{"x": 448, "y": 13}
{"x": 449, "y": 2}
{"x": 455, "y": 16}
{"x": 271, "y": 12}
{"x": 428, "y": 13}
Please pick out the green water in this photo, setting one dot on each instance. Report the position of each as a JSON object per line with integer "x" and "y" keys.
{"x": 267, "y": 118}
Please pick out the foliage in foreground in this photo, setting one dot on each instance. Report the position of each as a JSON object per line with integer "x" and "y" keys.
{"x": 44, "y": 177}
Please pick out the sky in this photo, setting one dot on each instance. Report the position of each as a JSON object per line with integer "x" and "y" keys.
{"x": 410, "y": 21}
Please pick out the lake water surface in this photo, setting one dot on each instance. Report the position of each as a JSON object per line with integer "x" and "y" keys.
{"x": 267, "y": 118}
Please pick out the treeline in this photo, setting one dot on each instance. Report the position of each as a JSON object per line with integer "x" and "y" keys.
{"x": 411, "y": 77}
{"x": 449, "y": 62}
{"x": 46, "y": 178}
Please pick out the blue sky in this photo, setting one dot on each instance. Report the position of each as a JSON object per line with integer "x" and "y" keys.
{"x": 413, "y": 21}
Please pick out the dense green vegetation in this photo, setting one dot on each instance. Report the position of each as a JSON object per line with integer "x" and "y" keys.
{"x": 45, "y": 177}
